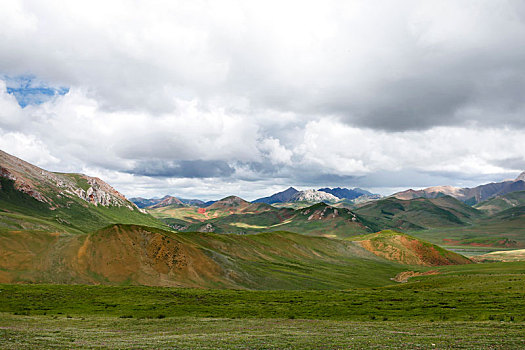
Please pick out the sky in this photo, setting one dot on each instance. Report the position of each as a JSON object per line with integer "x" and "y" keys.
{"x": 203, "y": 99}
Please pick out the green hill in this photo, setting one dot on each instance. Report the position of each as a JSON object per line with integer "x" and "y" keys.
{"x": 505, "y": 229}
{"x": 316, "y": 220}
{"x": 32, "y": 198}
{"x": 501, "y": 203}
{"x": 418, "y": 213}
{"x": 20, "y": 211}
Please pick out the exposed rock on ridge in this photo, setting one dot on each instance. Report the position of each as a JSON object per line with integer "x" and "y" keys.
{"x": 313, "y": 196}
{"x": 47, "y": 186}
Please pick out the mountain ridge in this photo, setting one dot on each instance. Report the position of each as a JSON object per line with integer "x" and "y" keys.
{"x": 46, "y": 186}
{"x": 279, "y": 197}
{"x": 347, "y": 193}
{"x": 468, "y": 195}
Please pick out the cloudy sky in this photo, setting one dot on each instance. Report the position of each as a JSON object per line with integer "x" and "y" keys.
{"x": 203, "y": 99}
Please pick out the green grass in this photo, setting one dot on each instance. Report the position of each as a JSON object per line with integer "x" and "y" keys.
{"x": 476, "y": 306}
{"x": 477, "y": 292}
{"x": 62, "y": 332}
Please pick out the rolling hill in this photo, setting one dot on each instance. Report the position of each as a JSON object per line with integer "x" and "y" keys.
{"x": 418, "y": 213}
{"x": 403, "y": 248}
{"x": 237, "y": 216}
{"x": 501, "y": 203}
{"x": 130, "y": 254}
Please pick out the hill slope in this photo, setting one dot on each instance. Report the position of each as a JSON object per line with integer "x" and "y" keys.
{"x": 500, "y": 203}
{"x": 418, "y": 213}
{"x": 128, "y": 254}
{"x": 409, "y": 250}
{"x": 168, "y": 201}
{"x": 316, "y": 220}
{"x": 33, "y": 198}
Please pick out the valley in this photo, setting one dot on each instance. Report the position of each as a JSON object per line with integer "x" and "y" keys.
{"x": 294, "y": 265}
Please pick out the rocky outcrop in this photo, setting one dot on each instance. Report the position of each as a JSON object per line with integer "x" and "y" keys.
{"x": 313, "y": 196}
{"x": 207, "y": 228}
{"x": 48, "y": 187}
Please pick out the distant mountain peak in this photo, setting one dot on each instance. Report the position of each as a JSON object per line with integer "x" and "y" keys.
{"x": 279, "y": 197}
{"x": 313, "y": 196}
{"x": 229, "y": 202}
{"x": 168, "y": 201}
{"x": 345, "y": 193}
{"x": 468, "y": 195}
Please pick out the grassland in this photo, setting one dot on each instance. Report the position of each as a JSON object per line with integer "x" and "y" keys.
{"x": 475, "y": 292}
{"x": 62, "y": 332}
{"x": 469, "y": 306}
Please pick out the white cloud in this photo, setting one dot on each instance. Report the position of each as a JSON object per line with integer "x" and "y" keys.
{"x": 337, "y": 147}
{"x": 268, "y": 94}
{"x": 275, "y": 152}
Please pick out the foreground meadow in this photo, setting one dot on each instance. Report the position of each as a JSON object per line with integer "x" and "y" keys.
{"x": 477, "y": 306}
{"x": 56, "y": 332}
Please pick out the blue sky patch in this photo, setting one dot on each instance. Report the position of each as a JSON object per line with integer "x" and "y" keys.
{"x": 30, "y": 91}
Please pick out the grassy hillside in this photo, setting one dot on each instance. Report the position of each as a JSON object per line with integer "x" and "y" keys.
{"x": 19, "y": 211}
{"x": 419, "y": 213}
{"x": 129, "y": 254}
{"x": 501, "y": 255}
{"x": 501, "y": 203}
{"x": 504, "y": 229}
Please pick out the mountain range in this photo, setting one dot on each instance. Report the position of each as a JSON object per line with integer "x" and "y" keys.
{"x": 168, "y": 200}
{"x": 287, "y": 196}
{"x": 345, "y": 193}
{"x": 73, "y": 228}
{"x": 470, "y": 196}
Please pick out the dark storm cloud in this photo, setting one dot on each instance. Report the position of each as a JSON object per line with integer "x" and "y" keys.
{"x": 449, "y": 96}
{"x": 517, "y": 163}
{"x": 184, "y": 168}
